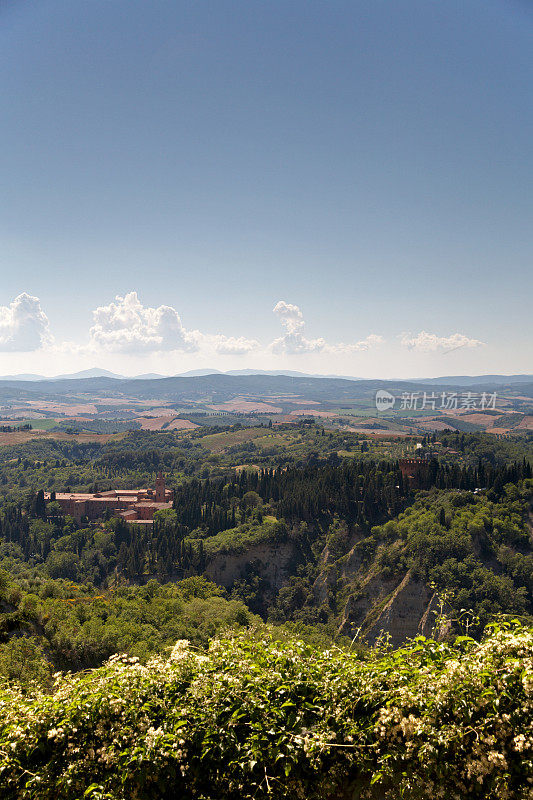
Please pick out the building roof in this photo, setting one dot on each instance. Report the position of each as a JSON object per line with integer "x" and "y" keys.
{"x": 71, "y": 495}
{"x": 108, "y": 500}
{"x": 153, "y": 505}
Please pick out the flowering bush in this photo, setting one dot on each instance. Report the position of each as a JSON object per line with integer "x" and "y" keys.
{"x": 254, "y": 717}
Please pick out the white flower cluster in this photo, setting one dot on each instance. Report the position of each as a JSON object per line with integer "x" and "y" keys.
{"x": 430, "y": 721}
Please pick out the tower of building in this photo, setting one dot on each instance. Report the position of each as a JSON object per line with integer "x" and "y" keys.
{"x": 160, "y": 488}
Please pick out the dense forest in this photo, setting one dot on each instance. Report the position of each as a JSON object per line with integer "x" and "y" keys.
{"x": 359, "y": 493}
{"x": 326, "y": 550}
{"x": 75, "y": 590}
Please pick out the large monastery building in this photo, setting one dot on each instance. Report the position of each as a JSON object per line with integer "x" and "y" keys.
{"x": 135, "y": 505}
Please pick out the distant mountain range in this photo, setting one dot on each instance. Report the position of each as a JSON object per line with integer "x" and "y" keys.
{"x": 95, "y": 372}
{"x": 207, "y": 390}
{"x": 447, "y": 380}
{"x": 86, "y": 373}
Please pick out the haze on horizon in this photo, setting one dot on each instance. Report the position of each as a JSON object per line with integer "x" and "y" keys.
{"x": 335, "y": 188}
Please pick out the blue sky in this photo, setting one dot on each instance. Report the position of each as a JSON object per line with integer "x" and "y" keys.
{"x": 364, "y": 168}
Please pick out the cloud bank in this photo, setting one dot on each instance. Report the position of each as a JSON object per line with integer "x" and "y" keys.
{"x": 233, "y": 346}
{"x": 127, "y": 327}
{"x": 430, "y": 342}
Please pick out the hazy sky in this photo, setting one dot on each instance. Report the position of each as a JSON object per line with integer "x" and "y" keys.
{"x": 326, "y": 186}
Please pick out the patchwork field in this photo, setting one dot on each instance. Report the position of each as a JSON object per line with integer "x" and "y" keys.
{"x": 181, "y": 425}
{"x": 158, "y": 412}
{"x": 152, "y": 423}
{"x": 486, "y": 420}
{"x": 220, "y": 401}
{"x": 375, "y": 433}
{"x": 64, "y": 408}
{"x": 433, "y": 424}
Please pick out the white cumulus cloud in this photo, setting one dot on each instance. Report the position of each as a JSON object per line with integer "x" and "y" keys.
{"x": 372, "y": 340}
{"x": 127, "y": 326}
{"x": 234, "y": 346}
{"x": 23, "y": 325}
{"x": 290, "y": 316}
{"x": 430, "y": 342}
{"x": 293, "y": 341}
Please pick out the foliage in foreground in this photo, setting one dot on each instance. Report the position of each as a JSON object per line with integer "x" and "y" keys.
{"x": 256, "y": 717}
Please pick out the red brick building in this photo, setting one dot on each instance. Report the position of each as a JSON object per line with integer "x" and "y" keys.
{"x": 135, "y": 505}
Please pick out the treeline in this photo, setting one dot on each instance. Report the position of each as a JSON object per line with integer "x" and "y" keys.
{"x": 484, "y": 475}
{"x": 58, "y": 548}
{"x": 14, "y": 428}
{"x": 359, "y": 491}
{"x": 365, "y": 493}
{"x": 134, "y": 459}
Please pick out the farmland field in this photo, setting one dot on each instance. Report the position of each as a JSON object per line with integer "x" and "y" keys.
{"x": 217, "y": 442}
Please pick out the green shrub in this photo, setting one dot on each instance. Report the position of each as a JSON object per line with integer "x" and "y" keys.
{"x": 256, "y": 717}
{"x": 22, "y": 660}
